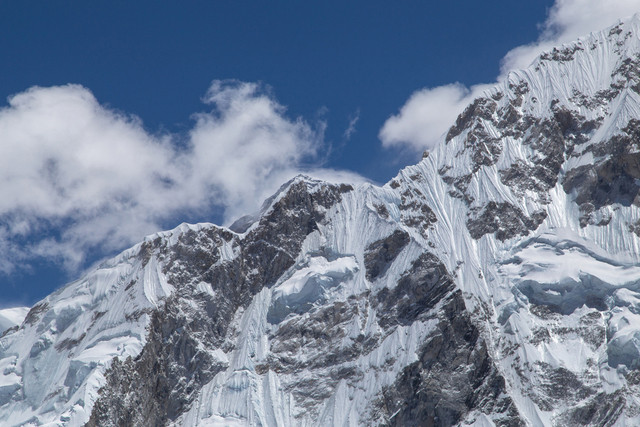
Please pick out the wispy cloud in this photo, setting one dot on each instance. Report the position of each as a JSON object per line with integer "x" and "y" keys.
{"x": 351, "y": 128}
{"x": 424, "y": 119}
{"x": 78, "y": 177}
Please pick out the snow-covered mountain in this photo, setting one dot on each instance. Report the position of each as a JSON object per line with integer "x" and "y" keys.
{"x": 497, "y": 282}
{"x": 10, "y": 317}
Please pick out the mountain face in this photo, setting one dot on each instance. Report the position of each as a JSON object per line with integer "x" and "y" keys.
{"x": 497, "y": 282}
{"x": 10, "y": 317}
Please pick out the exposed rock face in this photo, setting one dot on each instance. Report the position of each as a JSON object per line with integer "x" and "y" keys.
{"x": 419, "y": 290}
{"x": 188, "y": 323}
{"x": 503, "y": 219}
{"x": 380, "y": 254}
{"x": 453, "y": 376}
{"x": 611, "y": 180}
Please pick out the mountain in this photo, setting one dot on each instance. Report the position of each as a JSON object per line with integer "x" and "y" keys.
{"x": 10, "y": 317}
{"x": 496, "y": 282}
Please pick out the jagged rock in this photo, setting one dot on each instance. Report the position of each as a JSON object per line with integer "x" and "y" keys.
{"x": 174, "y": 357}
{"x": 419, "y": 290}
{"x": 503, "y": 219}
{"x": 454, "y": 375}
{"x": 381, "y": 253}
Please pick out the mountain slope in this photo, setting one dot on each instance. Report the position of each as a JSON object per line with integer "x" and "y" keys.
{"x": 10, "y": 317}
{"x": 494, "y": 283}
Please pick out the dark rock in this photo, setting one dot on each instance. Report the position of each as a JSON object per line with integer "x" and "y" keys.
{"x": 453, "y": 376}
{"x": 479, "y": 108}
{"x": 35, "y": 313}
{"x": 415, "y": 213}
{"x": 613, "y": 179}
{"x": 520, "y": 88}
{"x": 382, "y": 211}
{"x": 505, "y": 220}
{"x": 380, "y": 254}
{"x": 522, "y": 177}
{"x": 601, "y": 410}
{"x": 317, "y": 341}
{"x": 561, "y": 384}
{"x": 563, "y": 54}
{"x": 485, "y": 149}
{"x": 9, "y": 331}
{"x": 461, "y": 184}
{"x": 69, "y": 343}
{"x": 419, "y": 290}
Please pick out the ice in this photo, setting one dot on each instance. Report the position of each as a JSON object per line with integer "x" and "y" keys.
{"x": 309, "y": 285}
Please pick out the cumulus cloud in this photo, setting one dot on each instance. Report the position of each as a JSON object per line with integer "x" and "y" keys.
{"x": 246, "y": 147}
{"x": 426, "y": 116}
{"x": 80, "y": 177}
{"x": 429, "y": 112}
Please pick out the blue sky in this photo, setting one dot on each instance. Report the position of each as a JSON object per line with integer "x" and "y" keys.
{"x": 193, "y": 111}
{"x": 158, "y": 61}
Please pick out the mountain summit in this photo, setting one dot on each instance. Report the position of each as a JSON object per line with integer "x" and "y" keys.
{"x": 494, "y": 283}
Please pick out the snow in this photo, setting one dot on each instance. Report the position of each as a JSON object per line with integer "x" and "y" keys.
{"x": 316, "y": 267}
{"x": 57, "y": 362}
{"x": 10, "y": 317}
{"x": 560, "y": 270}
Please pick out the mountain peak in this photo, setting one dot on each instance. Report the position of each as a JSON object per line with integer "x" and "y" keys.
{"x": 571, "y": 115}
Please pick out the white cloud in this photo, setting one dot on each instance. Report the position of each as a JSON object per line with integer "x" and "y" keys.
{"x": 426, "y": 116}
{"x": 246, "y": 147}
{"x": 351, "y": 128}
{"x": 77, "y": 176}
{"x": 429, "y": 112}
{"x": 568, "y": 20}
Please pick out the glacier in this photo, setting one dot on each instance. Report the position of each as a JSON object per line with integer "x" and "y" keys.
{"x": 496, "y": 282}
